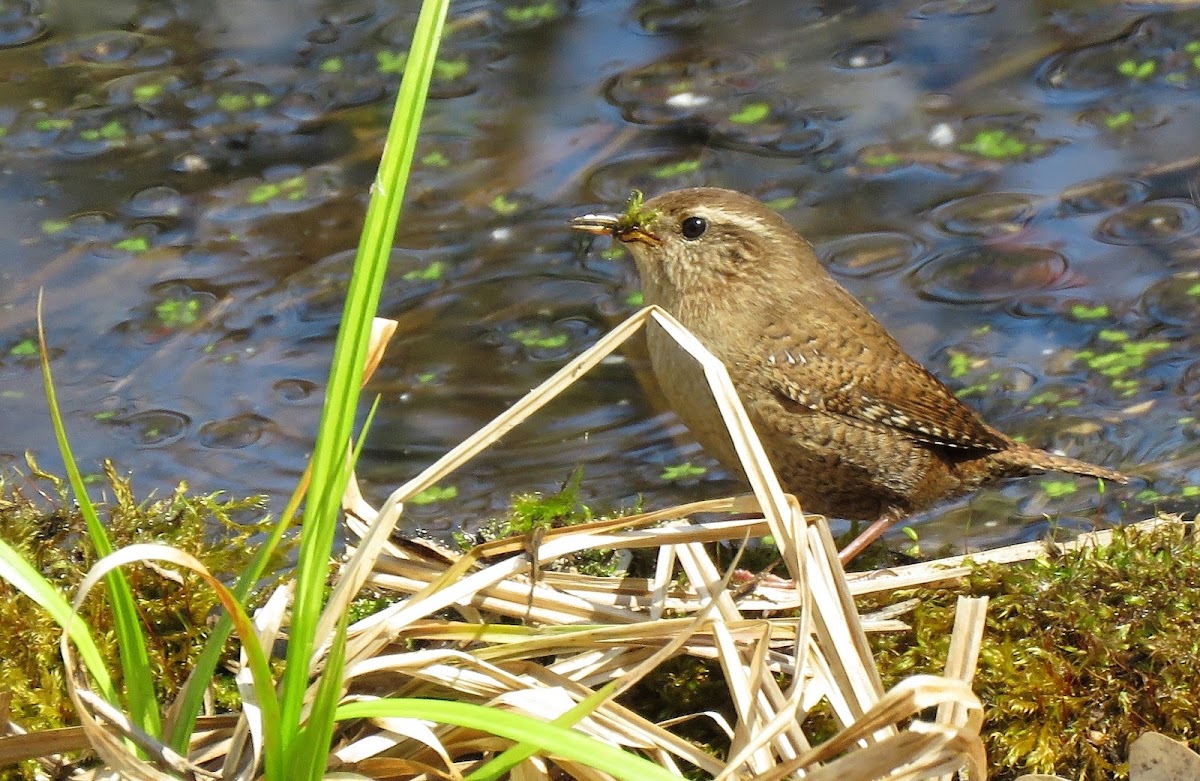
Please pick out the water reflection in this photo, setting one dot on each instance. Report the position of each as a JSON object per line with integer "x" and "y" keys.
{"x": 1005, "y": 189}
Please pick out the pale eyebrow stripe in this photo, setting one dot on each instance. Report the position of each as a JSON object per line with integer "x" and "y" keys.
{"x": 745, "y": 221}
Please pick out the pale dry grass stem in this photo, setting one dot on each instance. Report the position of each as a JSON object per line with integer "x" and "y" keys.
{"x": 579, "y": 633}
{"x": 478, "y": 628}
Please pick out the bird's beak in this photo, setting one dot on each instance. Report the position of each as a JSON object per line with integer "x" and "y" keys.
{"x": 613, "y": 225}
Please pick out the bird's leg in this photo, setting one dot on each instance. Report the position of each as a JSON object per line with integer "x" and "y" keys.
{"x": 873, "y": 532}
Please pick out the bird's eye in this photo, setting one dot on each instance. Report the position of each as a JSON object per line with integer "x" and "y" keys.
{"x": 693, "y": 227}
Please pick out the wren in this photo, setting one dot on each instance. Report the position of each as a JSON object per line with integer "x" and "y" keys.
{"x": 854, "y": 427}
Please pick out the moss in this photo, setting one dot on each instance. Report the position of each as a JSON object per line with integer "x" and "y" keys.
{"x": 147, "y": 92}
{"x": 133, "y": 244}
{"x": 887, "y": 159}
{"x": 539, "y": 338}
{"x": 1119, "y": 120}
{"x": 111, "y": 131}
{"x": 682, "y": 686}
{"x": 38, "y": 518}
{"x": 636, "y": 215}
{"x": 672, "y": 170}
{"x": 23, "y": 349}
{"x": 1056, "y": 489}
{"x": 684, "y": 471}
{"x": 782, "y": 203}
{"x": 1085, "y": 312}
{"x": 174, "y": 313}
{"x": 451, "y": 70}
{"x": 1082, "y": 653}
{"x": 999, "y": 144}
{"x": 961, "y": 364}
{"x": 1119, "y": 356}
{"x": 390, "y": 62}
{"x": 504, "y": 206}
{"x": 431, "y": 273}
{"x": 751, "y": 114}
{"x": 434, "y": 494}
{"x": 533, "y": 511}
{"x": 531, "y": 13}
{"x": 1137, "y": 70}
{"x": 53, "y": 124}
{"x": 293, "y": 189}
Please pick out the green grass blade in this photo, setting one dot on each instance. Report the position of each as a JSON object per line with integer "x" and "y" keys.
{"x": 313, "y": 755}
{"x": 138, "y": 676}
{"x": 549, "y": 739}
{"x": 362, "y": 300}
{"x": 260, "y": 670}
{"x": 264, "y": 684}
{"x": 191, "y": 699}
{"x": 22, "y": 576}
{"x": 183, "y": 722}
{"x": 501, "y": 765}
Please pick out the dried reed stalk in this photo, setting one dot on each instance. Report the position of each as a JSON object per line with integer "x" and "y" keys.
{"x": 593, "y": 634}
{"x": 578, "y": 636}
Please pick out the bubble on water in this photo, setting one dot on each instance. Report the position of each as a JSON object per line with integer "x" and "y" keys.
{"x": 1150, "y": 223}
{"x": 155, "y": 427}
{"x": 944, "y": 8}
{"x": 688, "y": 100}
{"x": 346, "y": 12}
{"x": 144, "y": 89}
{"x": 159, "y": 201}
{"x": 1189, "y": 383}
{"x": 285, "y": 190}
{"x": 21, "y": 22}
{"x": 235, "y": 432}
{"x": 859, "y": 56}
{"x": 870, "y": 254}
{"x": 659, "y": 17}
{"x": 1101, "y": 195}
{"x": 942, "y": 135}
{"x": 1174, "y": 301}
{"x": 979, "y": 275}
{"x": 111, "y": 49}
{"x": 644, "y": 94}
{"x": 1153, "y": 52}
{"x": 985, "y": 215}
{"x": 190, "y": 163}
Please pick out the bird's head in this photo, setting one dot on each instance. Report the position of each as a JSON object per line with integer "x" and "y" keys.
{"x": 706, "y": 241}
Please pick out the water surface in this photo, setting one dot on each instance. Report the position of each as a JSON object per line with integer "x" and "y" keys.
{"x": 1010, "y": 187}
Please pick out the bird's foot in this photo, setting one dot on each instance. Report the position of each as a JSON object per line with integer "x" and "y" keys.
{"x": 873, "y": 532}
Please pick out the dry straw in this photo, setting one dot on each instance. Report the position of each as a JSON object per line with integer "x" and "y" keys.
{"x": 568, "y": 636}
{"x": 595, "y": 633}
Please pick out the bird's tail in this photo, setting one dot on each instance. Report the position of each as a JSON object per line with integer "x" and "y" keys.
{"x": 1035, "y": 460}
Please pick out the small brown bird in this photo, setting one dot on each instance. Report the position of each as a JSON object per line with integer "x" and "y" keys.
{"x": 853, "y": 425}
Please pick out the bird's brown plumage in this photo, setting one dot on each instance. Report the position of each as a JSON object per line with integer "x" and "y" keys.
{"x": 854, "y": 426}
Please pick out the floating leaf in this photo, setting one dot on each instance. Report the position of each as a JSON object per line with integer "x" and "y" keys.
{"x": 683, "y": 471}
{"x": 1085, "y": 312}
{"x": 434, "y": 494}
{"x": 751, "y": 114}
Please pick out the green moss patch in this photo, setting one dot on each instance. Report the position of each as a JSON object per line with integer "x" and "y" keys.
{"x": 39, "y": 519}
{"x": 636, "y": 215}
{"x": 1083, "y": 652}
{"x": 533, "y": 513}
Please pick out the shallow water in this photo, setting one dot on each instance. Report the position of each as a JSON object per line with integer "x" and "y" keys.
{"x": 1011, "y": 190}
